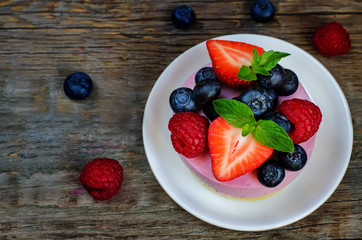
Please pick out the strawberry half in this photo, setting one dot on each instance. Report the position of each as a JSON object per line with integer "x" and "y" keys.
{"x": 233, "y": 155}
{"x": 228, "y": 57}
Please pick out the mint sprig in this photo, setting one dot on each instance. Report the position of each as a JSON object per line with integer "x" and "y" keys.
{"x": 265, "y": 132}
{"x": 260, "y": 65}
{"x": 271, "y": 134}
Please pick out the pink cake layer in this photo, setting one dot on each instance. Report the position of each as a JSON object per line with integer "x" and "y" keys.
{"x": 248, "y": 185}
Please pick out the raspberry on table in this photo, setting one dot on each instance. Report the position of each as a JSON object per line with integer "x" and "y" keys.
{"x": 332, "y": 40}
{"x": 188, "y": 133}
{"x": 304, "y": 115}
{"x": 102, "y": 178}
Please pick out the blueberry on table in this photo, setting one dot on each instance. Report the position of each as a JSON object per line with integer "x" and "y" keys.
{"x": 290, "y": 84}
{"x": 293, "y": 161}
{"x": 262, "y": 11}
{"x": 259, "y": 99}
{"x": 279, "y": 119}
{"x": 274, "y": 80}
{"x": 183, "y": 16}
{"x": 271, "y": 173}
{"x": 205, "y": 73}
{"x": 206, "y": 90}
{"x": 78, "y": 86}
{"x": 181, "y": 100}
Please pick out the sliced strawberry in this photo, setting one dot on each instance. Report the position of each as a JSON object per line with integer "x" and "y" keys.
{"x": 228, "y": 57}
{"x": 233, "y": 155}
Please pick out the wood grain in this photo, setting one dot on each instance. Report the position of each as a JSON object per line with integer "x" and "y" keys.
{"x": 124, "y": 45}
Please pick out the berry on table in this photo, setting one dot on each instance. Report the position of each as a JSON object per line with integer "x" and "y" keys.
{"x": 331, "y": 40}
{"x": 274, "y": 80}
{"x": 279, "y": 119}
{"x": 183, "y": 16}
{"x": 205, "y": 73}
{"x": 305, "y": 117}
{"x": 259, "y": 99}
{"x": 181, "y": 100}
{"x": 102, "y": 178}
{"x": 262, "y": 11}
{"x": 293, "y": 161}
{"x": 188, "y": 133}
{"x": 290, "y": 85}
{"x": 206, "y": 90}
{"x": 78, "y": 86}
{"x": 271, "y": 173}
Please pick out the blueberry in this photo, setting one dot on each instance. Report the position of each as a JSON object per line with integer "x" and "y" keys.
{"x": 181, "y": 100}
{"x": 209, "y": 111}
{"x": 271, "y": 173}
{"x": 206, "y": 90}
{"x": 78, "y": 86}
{"x": 205, "y": 73}
{"x": 274, "y": 80}
{"x": 262, "y": 11}
{"x": 259, "y": 99}
{"x": 183, "y": 16}
{"x": 293, "y": 161}
{"x": 279, "y": 119}
{"x": 290, "y": 85}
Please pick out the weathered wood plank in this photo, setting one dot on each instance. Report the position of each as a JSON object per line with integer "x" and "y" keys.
{"x": 46, "y": 139}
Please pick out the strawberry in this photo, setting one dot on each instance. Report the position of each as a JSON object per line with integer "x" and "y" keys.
{"x": 233, "y": 155}
{"x": 228, "y": 57}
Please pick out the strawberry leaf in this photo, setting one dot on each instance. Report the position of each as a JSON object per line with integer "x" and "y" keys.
{"x": 234, "y": 112}
{"x": 272, "y": 135}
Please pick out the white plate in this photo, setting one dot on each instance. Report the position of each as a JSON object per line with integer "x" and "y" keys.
{"x": 309, "y": 191}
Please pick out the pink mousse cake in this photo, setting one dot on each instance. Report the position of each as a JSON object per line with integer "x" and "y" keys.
{"x": 248, "y": 185}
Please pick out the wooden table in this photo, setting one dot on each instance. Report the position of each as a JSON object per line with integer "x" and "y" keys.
{"x": 124, "y": 46}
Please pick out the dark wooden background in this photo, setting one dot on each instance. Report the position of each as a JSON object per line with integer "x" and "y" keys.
{"x": 124, "y": 45}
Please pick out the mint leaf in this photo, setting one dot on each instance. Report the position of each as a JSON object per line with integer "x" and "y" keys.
{"x": 256, "y": 60}
{"x": 269, "y": 59}
{"x": 248, "y": 128}
{"x": 265, "y": 132}
{"x": 260, "y": 65}
{"x": 246, "y": 74}
{"x": 265, "y": 57}
{"x": 234, "y": 112}
{"x": 261, "y": 71}
{"x": 272, "y": 135}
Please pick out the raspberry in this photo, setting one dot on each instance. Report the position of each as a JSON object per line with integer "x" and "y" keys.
{"x": 188, "y": 133}
{"x": 305, "y": 116}
{"x": 102, "y": 178}
{"x": 331, "y": 40}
